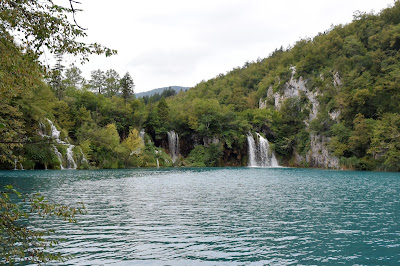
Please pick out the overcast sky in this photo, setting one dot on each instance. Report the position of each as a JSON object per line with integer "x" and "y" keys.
{"x": 166, "y": 43}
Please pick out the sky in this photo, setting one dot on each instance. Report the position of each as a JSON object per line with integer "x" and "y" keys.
{"x": 180, "y": 43}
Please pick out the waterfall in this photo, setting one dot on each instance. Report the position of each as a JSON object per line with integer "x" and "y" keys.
{"x": 252, "y": 150}
{"x": 70, "y": 157}
{"x": 84, "y": 160}
{"x": 59, "y": 156}
{"x": 173, "y": 142}
{"x": 260, "y": 154}
{"x": 69, "y": 161}
{"x": 141, "y": 134}
{"x": 21, "y": 167}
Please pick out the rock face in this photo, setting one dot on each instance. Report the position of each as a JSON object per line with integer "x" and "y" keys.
{"x": 336, "y": 80}
{"x": 208, "y": 141}
{"x": 318, "y": 155}
{"x": 262, "y": 104}
{"x": 293, "y": 88}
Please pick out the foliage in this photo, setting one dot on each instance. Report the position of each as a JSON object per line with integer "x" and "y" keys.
{"x": 352, "y": 99}
{"x": 20, "y": 240}
{"x": 45, "y": 24}
{"x": 112, "y": 81}
{"x": 202, "y": 156}
{"x": 97, "y": 80}
{"x": 73, "y": 77}
{"x": 127, "y": 87}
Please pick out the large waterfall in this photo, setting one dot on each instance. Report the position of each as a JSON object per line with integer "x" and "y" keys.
{"x": 67, "y": 161}
{"x": 260, "y": 154}
{"x": 173, "y": 142}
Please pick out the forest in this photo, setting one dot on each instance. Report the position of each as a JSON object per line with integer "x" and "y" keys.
{"x": 331, "y": 101}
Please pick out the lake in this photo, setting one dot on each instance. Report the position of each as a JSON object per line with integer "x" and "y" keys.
{"x": 220, "y": 216}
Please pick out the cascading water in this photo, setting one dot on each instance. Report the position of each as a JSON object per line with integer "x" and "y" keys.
{"x": 59, "y": 156}
{"x": 260, "y": 154}
{"x": 69, "y": 161}
{"x": 20, "y": 165}
{"x": 70, "y": 157}
{"x": 141, "y": 134}
{"x": 173, "y": 142}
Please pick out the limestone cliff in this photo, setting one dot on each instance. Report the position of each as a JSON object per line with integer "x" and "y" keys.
{"x": 318, "y": 155}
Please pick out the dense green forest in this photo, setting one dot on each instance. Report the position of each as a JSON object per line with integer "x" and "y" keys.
{"x": 332, "y": 101}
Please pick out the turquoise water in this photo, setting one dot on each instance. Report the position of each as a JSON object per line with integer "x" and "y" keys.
{"x": 223, "y": 216}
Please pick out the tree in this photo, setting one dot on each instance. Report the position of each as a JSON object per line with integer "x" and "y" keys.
{"x": 26, "y": 27}
{"x": 38, "y": 24}
{"x": 18, "y": 76}
{"x": 385, "y": 141}
{"x": 131, "y": 149}
{"x": 73, "y": 77}
{"x": 97, "y": 81}
{"x": 19, "y": 242}
{"x": 134, "y": 142}
{"x": 127, "y": 87}
{"x": 56, "y": 81}
{"x": 163, "y": 110}
{"x": 111, "y": 82}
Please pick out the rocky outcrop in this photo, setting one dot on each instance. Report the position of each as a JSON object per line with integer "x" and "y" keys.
{"x": 336, "y": 80}
{"x": 293, "y": 88}
{"x": 318, "y": 155}
{"x": 208, "y": 141}
{"x": 335, "y": 115}
{"x": 262, "y": 104}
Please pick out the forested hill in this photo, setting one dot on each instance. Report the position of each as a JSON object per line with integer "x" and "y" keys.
{"x": 331, "y": 101}
{"x": 161, "y": 90}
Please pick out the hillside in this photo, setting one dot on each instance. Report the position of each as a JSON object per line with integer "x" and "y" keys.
{"x": 160, "y": 90}
{"x": 332, "y": 101}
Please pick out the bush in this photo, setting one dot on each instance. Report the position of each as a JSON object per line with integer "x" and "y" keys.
{"x": 202, "y": 156}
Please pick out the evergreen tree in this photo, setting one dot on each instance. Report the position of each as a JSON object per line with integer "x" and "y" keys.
{"x": 127, "y": 87}
{"x": 56, "y": 81}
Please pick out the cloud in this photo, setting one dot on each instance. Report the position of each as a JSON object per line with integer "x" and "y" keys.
{"x": 176, "y": 42}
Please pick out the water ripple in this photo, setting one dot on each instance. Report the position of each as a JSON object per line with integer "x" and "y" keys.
{"x": 223, "y": 216}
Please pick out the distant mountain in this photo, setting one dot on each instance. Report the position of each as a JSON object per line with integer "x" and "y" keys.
{"x": 160, "y": 90}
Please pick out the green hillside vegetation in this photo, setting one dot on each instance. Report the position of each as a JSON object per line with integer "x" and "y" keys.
{"x": 349, "y": 105}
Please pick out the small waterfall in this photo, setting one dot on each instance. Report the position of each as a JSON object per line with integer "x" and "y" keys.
{"x": 173, "y": 142}
{"x": 70, "y": 158}
{"x": 59, "y": 156}
{"x": 158, "y": 163}
{"x": 21, "y": 167}
{"x": 260, "y": 154}
{"x": 69, "y": 161}
{"x": 141, "y": 134}
{"x": 252, "y": 150}
{"x": 84, "y": 160}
